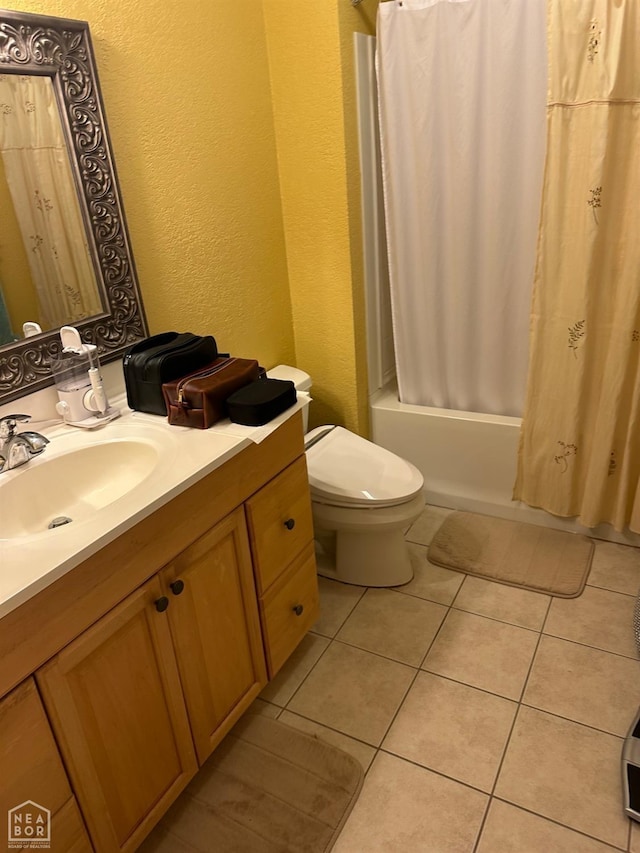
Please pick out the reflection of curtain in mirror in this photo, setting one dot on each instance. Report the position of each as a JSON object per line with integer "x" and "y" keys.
{"x": 44, "y": 196}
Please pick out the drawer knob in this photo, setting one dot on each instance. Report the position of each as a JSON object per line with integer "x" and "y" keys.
{"x": 290, "y": 523}
{"x": 177, "y": 587}
{"x": 298, "y": 609}
{"x": 162, "y": 603}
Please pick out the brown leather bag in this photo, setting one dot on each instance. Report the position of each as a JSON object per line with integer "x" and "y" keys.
{"x": 200, "y": 399}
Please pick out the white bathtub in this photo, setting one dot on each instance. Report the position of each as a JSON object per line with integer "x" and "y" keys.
{"x": 468, "y": 460}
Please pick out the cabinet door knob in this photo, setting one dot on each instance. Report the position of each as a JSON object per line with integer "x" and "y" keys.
{"x": 162, "y": 603}
{"x": 298, "y": 609}
{"x": 290, "y": 523}
{"x": 177, "y": 587}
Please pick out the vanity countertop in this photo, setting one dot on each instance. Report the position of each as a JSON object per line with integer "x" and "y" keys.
{"x": 33, "y": 561}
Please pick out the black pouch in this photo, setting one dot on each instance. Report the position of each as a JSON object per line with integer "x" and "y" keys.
{"x": 162, "y": 358}
{"x": 261, "y": 401}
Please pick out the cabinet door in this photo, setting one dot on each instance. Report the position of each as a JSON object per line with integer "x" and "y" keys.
{"x": 33, "y": 784}
{"x": 114, "y": 700}
{"x": 216, "y": 630}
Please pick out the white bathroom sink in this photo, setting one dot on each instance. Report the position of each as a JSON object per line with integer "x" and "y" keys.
{"x": 73, "y": 484}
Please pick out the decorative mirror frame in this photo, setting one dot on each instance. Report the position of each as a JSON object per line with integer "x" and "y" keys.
{"x": 61, "y": 49}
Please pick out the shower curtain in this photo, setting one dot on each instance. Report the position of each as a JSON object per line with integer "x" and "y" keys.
{"x": 39, "y": 177}
{"x": 462, "y": 87}
{"x": 580, "y": 442}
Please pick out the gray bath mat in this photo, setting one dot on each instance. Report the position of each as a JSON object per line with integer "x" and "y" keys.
{"x": 514, "y": 553}
{"x": 268, "y": 788}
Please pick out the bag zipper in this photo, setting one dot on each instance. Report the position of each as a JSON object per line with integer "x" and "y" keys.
{"x": 199, "y": 374}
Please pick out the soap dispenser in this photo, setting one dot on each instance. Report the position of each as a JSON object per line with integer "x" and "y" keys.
{"x": 83, "y": 401}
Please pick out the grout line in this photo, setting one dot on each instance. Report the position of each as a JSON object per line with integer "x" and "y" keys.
{"x": 589, "y": 646}
{"x": 321, "y": 655}
{"x": 558, "y": 823}
{"x": 533, "y": 657}
{"x": 495, "y": 619}
{"x": 436, "y": 772}
{"x": 482, "y": 823}
{"x": 402, "y": 591}
{"x": 377, "y": 654}
{"x": 509, "y": 736}
{"x": 333, "y": 729}
{"x": 570, "y": 720}
{"x": 471, "y": 686}
{"x": 608, "y": 589}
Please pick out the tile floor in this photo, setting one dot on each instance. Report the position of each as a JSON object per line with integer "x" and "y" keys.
{"x": 489, "y": 719}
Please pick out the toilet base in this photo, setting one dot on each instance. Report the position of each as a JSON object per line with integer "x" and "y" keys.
{"x": 373, "y": 560}
{"x": 365, "y": 547}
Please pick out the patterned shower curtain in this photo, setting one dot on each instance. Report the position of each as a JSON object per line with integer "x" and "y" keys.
{"x": 44, "y": 196}
{"x": 580, "y": 440}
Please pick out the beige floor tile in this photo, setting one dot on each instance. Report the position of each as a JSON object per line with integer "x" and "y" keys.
{"x": 567, "y": 772}
{"x": 353, "y": 691}
{"x": 499, "y": 601}
{"x": 598, "y": 618}
{"x": 266, "y": 709}
{"x": 587, "y": 685}
{"x": 512, "y": 830}
{"x": 401, "y": 627}
{"x": 453, "y": 729}
{"x": 429, "y": 581}
{"x": 426, "y": 525}
{"x": 491, "y": 655}
{"x": 362, "y": 752}
{"x": 337, "y": 600}
{"x": 635, "y": 837}
{"x": 295, "y": 670}
{"x": 406, "y": 809}
{"x": 615, "y": 567}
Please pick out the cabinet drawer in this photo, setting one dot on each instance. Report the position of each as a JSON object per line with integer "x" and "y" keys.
{"x": 280, "y": 524}
{"x": 289, "y": 609}
{"x": 31, "y": 765}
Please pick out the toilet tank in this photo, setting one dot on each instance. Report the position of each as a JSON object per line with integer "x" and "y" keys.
{"x": 300, "y": 379}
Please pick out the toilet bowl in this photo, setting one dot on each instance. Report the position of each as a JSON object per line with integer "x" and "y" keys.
{"x": 363, "y": 498}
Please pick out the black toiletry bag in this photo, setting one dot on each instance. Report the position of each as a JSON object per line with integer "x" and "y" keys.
{"x": 261, "y": 401}
{"x": 162, "y": 358}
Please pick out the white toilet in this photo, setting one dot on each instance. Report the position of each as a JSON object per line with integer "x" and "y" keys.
{"x": 363, "y": 499}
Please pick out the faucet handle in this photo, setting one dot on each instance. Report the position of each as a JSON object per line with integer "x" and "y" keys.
{"x": 8, "y": 424}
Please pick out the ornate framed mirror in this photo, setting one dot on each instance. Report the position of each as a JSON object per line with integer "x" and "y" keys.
{"x": 81, "y": 264}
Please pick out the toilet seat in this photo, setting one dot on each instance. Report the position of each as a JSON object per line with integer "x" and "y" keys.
{"x": 349, "y": 471}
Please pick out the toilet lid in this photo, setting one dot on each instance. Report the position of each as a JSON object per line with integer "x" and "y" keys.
{"x": 345, "y": 468}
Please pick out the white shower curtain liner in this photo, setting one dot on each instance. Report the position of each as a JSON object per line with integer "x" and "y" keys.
{"x": 462, "y": 93}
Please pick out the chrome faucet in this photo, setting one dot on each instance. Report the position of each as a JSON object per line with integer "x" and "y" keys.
{"x": 17, "y": 448}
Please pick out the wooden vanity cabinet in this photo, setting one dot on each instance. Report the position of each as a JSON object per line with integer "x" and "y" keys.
{"x": 146, "y": 654}
{"x": 32, "y": 771}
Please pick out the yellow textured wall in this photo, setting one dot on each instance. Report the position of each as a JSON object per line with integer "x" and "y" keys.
{"x": 313, "y": 92}
{"x": 233, "y": 125}
{"x": 186, "y": 92}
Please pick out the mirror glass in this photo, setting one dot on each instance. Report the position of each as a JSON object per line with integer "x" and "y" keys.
{"x": 65, "y": 257}
{"x": 46, "y": 271}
